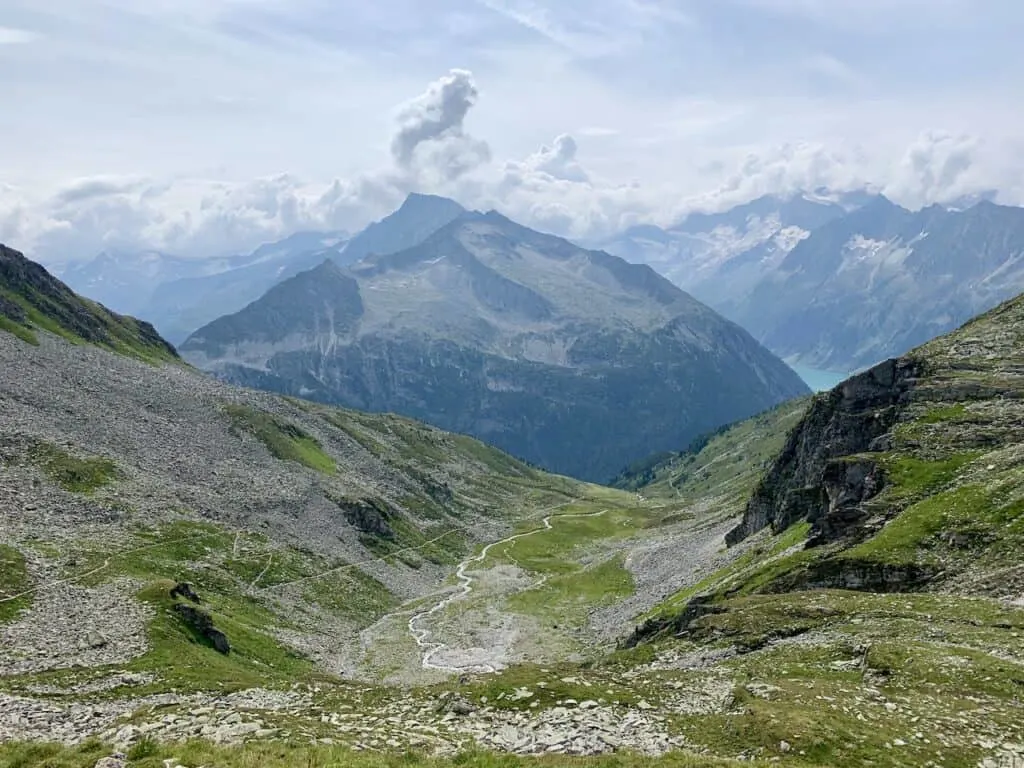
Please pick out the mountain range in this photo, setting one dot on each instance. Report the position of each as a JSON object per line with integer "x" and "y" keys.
{"x": 572, "y": 359}
{"x": 719, "y": 256}
{"x": 840, "y": 282}
{"x": 179, "y": 295}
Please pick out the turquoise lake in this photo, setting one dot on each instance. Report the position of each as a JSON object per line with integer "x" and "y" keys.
{"x": 819, "y": 381}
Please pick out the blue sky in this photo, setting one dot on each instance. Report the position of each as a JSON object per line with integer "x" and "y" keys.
{"x": 206, "y": 125}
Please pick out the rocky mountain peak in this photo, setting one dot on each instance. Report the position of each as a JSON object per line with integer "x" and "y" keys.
{"x": 514, "y": 336}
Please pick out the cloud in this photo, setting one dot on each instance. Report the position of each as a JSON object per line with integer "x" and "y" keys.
{"x": 557, "y": 161}
{"x": 936, "y": 168}
{"x": 431, "y": 131}
{"x": 552, "y": 191}
{"x": 784, "y": 170}
{"x": 84, "y": 189}
{"x": 14, "y": 36}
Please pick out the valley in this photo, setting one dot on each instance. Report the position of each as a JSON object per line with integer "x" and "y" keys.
{"x": 195, "y": 572}
{"x": 511, "y": 384}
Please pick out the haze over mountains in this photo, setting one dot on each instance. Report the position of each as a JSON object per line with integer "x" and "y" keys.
{"x": 572, "y": 359}
{"x": 826, "y": 281}
{"x": 841, "y": 282}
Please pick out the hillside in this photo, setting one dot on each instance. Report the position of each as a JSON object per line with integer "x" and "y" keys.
{"x": 31, "y": 299}
{"x": 719, "y": 468}
{"x": 869, "y": 608}
{"x": 877, "y": 565}
{"x": 571, "y": 359}
{"x": 254, "y": 566}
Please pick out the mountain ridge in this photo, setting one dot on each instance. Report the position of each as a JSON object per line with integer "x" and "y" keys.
{"x": 521, "y": 330}
{"x": 31, "y": 298}
{"x": 884, "y": 280}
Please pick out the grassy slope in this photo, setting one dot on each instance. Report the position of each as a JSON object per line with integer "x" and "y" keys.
{"x": 14, "y": 580}
{"x": 954, "y": 489}
{"x": 577, "y": 560}
{"x": 724, "y": 466}
{"x": 291, "y": 755}
{"x": 32, "y": 300}
{"x": 893, "y": 678}
{"x": 243, "y": 575}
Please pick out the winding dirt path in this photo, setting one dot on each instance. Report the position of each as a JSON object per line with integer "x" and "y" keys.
{"x": 421, "y": 634}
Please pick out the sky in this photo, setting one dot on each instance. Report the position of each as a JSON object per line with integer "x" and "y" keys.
{"x": 203, "y": 127}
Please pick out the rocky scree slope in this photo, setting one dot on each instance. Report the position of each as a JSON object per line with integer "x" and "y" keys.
{"x": 572, "y": 359}
{"x": 117, "y": 473}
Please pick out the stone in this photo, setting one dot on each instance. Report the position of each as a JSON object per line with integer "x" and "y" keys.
{"x": 95, "y": 640}
{"x": 184, "y": 589}
{"x": 202, "y": 623}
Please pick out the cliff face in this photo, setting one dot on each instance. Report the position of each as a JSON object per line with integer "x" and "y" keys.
{"x": 814, "y": 478}
{"x": 910, "y": 476}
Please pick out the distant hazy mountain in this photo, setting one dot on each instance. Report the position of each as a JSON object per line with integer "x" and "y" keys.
{"x": 179, "y": 294}
{"x": 573, "y": 359}
{"x": 178, "y": 307}
{"x": 883, "y": 280}
{"x": 124, "y": 280}
{"x": 720, "y": 256}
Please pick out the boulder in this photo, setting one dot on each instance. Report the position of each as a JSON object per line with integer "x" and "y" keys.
{"x": 202, "y": 623}
{"x": 184, "y": 589}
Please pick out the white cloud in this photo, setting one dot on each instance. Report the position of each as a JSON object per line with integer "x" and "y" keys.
{"x": 940, "y": 166}
{"x": 431, "y": 137}
{"x": 557, "y": 161}
{"x": 204, "y": 126}
{"x": 13, "y": 36}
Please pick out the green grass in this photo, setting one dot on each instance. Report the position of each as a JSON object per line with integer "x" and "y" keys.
{"x": 184, "y": 661}
{"x": 943, "y": 414}
{"x": 282, "y": 755}
{"x": 202, "y": 554}
{"x": 236, "y": 574}
{"x": 756, "y": 560}
{"x": 120, "y": 334}
{"x": 352, "y": 594}
{"x": 14, "y": 580}
{"x": 910, "y": 477}
{"x": 883, "y": 669}
{"x": 968, "y": 521}
{"x": 70, "y": 472}
{"x": 577, "y": 560}
{"x": 567, "y": 597}
{"x": 728, "y": 464}
{"x": 284, "y": 440}
{"x": 450, "y": 547}
{"x": 19, "y": 330}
